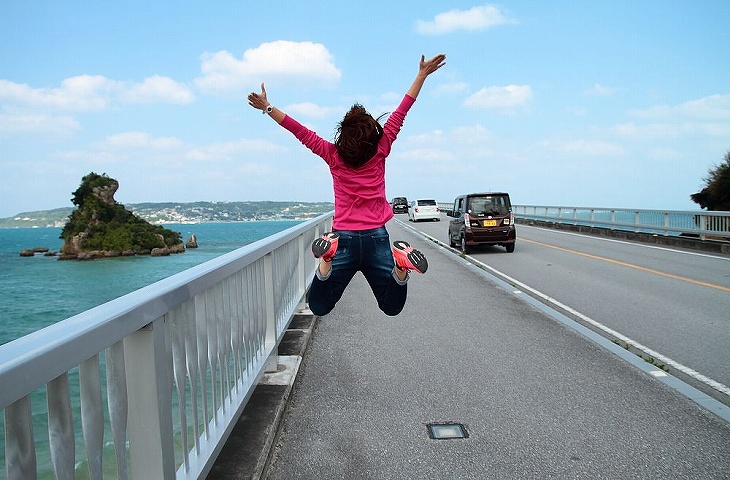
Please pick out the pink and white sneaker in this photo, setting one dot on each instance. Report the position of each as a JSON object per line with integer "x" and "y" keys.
{"x": 325, "y": 246}
{"x": 408, "y": 258}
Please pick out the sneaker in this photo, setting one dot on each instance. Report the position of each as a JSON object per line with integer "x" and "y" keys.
{"x": 408, "y": 258}
{"x": 325, "y": 246}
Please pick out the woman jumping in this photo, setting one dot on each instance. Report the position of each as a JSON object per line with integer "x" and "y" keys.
{"x": 359, "y": 240}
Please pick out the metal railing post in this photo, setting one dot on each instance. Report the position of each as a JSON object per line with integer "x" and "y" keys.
{"x": 703, "y": 226}
{"x": 270, "y": 314}
{"x": 301, "y": 268}
{"x": 20, "y": 454}
{"x": 149, "y": 392}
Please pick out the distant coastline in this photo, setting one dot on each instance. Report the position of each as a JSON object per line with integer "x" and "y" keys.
{"x": 185, "y": 213}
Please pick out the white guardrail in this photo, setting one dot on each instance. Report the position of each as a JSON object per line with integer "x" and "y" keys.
{"x": 700, "y": 224}
{"x": 151, "y": 384}
{"x": 667, "y": 222}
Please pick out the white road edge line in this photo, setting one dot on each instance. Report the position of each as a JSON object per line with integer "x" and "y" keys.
{"x": 658, "y": 356}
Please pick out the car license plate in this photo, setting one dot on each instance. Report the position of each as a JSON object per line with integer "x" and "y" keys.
{"x": 490, "y": 223}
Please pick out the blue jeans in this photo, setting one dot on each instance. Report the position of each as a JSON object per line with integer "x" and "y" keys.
{"x": 367, "y": 251}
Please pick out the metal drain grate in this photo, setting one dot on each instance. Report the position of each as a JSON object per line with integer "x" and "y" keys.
{"x": 446, "y": 431}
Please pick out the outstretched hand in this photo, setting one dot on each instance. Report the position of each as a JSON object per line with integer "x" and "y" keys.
{"x": 258, "y": 100}
{"x": 427, "y": 67}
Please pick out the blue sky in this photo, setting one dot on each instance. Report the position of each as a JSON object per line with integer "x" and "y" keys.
{"x": 604, "y": 104}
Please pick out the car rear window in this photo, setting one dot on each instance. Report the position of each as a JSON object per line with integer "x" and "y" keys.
{"x": 489, "y": 205}
{"x": 426, "y": 202}
{"x": 400, "y": 200}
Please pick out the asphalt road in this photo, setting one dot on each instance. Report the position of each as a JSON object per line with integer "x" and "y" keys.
{"x": 668, "y": 304}
{"x": 538, "y": 396}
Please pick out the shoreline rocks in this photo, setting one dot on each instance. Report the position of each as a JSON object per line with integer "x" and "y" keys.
{"x": 30, "y": 252}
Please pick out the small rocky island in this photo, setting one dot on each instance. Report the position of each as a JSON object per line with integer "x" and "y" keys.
{"x": 100, "y": 227}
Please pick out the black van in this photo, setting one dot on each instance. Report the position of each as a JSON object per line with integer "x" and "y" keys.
{"x": 400, "y": 205}
{"x": 482, "y": 219}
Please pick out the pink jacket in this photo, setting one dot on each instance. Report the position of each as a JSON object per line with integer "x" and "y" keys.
{"x": 360, "y": 202}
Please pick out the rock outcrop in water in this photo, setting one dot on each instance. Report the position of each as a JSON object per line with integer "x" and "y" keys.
{"x": 192, "y": 242}
{"x": 100, "y": 227}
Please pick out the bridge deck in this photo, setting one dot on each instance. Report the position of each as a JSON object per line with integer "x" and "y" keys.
{"x": 537, "y": 399}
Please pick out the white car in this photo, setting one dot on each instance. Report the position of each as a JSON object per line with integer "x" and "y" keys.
{"x": 424, "y": 209}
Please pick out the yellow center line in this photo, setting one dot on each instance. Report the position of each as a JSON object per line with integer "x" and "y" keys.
{"x": 630, "y": 265}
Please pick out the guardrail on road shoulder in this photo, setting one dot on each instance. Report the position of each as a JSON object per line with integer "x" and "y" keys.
{"x": 668, "y": 222}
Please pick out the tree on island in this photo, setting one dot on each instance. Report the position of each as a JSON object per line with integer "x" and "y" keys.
{"x": 101, "y": 227}
{"x": 716, "y": 194}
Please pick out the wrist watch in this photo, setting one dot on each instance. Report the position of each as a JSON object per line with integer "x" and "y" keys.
{"x": 268, "y": 109}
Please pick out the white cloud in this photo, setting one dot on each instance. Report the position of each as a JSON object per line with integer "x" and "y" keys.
{"x": 140, "y": 148}
{"x": 505, "y": 97}
{"x": 653, "y": 130}
{"x": 84, "y": 92}
{"x": 158, "y": 89}
{"x": 671, "y": 130}
{"x": 592, "y": 148}
{"x": 706, "y": 117}
{"x": 231, "y": 150}
{"x": 442, "y": 148}
{"x": 465, "y": 135}
{"x": 716, "y": 107}
{"x": 462, "y": 135}
{"x": 94, "y": 92}
{"x": 476, "y": 18}
{"x": 91, "y": 159}
{"x": 303, "y": 62}
{"x": 429, "y": 155}
{"x": 310, "y": 110}
{"x": 142, "y": 140}
{"x": 662, "y": 153}
{"x": 252, "y": 169}
{"x": 11, "y": 124}
{"x": 713, "y": 107}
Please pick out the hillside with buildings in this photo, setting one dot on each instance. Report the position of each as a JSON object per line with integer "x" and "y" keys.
{"x": 195, "y": 212}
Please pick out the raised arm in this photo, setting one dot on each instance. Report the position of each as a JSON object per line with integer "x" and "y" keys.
{"x": 260, "y": 102}
{"x": 425, "y": 68}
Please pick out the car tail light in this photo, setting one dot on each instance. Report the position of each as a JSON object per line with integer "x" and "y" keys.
{"x": 467, "y": 223}
{"x": 415, "y": 209}
{"x": 510, "y": 220}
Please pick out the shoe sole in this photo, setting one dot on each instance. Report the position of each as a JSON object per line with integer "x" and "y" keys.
{"x": 415, "y": 257}
{"x": 321, "y": 246}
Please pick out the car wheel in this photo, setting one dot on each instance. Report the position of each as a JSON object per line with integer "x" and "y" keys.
{"x": 452, "y": 244}
{"x": 510, "y": 247}
{"x": 464, "y": 247}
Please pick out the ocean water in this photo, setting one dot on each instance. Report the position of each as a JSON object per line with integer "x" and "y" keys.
{"x": 38, "y": 291}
